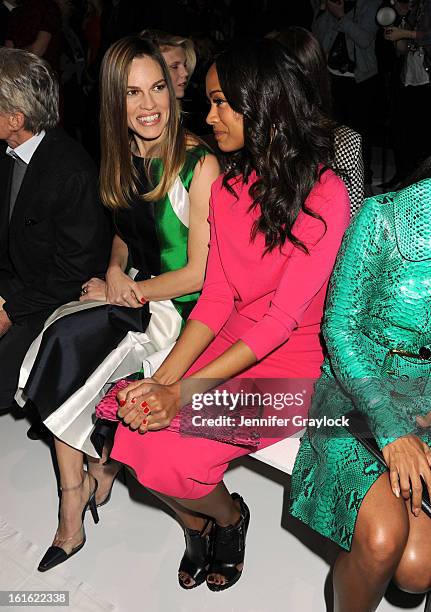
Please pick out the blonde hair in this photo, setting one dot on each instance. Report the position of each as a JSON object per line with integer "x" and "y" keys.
{"x": 164, "y": 40}
{"x": 118, "y": 175}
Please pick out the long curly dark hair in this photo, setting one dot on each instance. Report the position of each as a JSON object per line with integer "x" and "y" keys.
{"x": 288, "y": 140}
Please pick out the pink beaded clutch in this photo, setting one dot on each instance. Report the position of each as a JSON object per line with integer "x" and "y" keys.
{"x": 108, "y": 406}
{"x": 107, "y": 409}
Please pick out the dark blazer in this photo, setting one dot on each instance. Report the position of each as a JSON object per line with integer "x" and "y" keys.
{"x": 59, "y": 234}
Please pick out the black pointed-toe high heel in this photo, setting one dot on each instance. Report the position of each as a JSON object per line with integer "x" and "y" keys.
{"x": 55, "y": 554}
{"x": 229, "y": 549}
{"x": 197, "y": 556}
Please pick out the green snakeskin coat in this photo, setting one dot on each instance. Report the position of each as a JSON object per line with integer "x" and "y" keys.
{"x": 379, "y": 299}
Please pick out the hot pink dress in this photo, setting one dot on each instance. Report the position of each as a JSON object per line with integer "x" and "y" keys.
{"x": 273, "y": 303}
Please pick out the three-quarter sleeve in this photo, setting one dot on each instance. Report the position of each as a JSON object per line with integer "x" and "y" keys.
{"x": 352, "y": 287}
{"x": 216, "y": 301}
{"x": 305, "y": 273}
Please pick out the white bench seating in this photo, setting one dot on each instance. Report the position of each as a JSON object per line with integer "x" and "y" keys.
{"x": 280, "y": 455}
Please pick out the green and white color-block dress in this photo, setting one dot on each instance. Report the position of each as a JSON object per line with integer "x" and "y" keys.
{"x": 85, "y": 347}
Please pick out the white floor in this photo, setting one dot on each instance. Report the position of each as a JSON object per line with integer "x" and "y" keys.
{"x": 131, "y": 557}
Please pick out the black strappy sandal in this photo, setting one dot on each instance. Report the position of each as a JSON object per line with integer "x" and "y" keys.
{"x": 229, "y": 549}
{"x": 197, "y": 556}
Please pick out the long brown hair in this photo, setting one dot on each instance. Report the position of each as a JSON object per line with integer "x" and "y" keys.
{"x": 288, "y": 140}
{"x": 118, "y": 176}
{"x": 306, "y": 49}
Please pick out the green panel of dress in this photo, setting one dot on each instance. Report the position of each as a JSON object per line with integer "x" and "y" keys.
{"x": 172, "y": 223}
{"x": 379, "y": 299}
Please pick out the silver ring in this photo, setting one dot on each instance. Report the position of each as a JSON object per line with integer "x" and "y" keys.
{"x": 84, "y": 290}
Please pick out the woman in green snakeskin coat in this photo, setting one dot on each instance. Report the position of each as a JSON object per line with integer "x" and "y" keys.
{"x": 379, "y": 300}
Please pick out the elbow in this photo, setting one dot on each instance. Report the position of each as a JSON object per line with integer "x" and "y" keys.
{"x": 196, "y": 287}
{"x": 197, "y": 277}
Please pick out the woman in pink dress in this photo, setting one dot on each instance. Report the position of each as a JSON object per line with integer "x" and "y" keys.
{"x": 277, "y": 217}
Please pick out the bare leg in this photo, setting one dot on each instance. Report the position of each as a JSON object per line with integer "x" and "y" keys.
{"x": 104, "y": 474}
{"x": 190, "y": 520}
{"x": 194, "y": 513}
{"x": 218, "y": 504}
{"x": 361, "y": 576}
{"x": 71, "y": 465}
{"x": 413, "y": 573}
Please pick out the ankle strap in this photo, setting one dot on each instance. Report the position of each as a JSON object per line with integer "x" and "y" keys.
{"x": 78, "y": 486}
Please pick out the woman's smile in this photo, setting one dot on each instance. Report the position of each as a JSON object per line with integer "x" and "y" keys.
{"x": 147, "y": 102}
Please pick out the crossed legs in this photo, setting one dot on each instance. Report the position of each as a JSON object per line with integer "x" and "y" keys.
{"x": 74, "y": 497}
{"x": 388, "y": 542}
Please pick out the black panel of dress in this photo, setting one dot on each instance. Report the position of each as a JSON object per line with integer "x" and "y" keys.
{"x": 75, "y": 345}
{"x": 136, "y": 225}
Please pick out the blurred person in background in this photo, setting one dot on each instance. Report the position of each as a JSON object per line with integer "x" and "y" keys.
{"x": 72, "y": 68}
{"x": 179, "y": 55}
{"x": 305, "y": 48}
{"x": 347, "y": 30}
{"x": 411, "y": 87}
{"x": 35, "y": 25}
{"x": 6, "y": 7}
{"x": 92, "y": 30}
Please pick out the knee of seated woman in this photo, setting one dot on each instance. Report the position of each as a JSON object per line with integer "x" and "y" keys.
{"x": 414, "y": 576}
{"x": 383, "y": 544}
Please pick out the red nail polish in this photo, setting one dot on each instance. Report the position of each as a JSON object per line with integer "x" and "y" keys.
{"x": 122, "y": 402}
{"x": 133, "y": 400}
{"x": 143, "y": 300}
{"x": 144, "y": 404}
{"x": 144, "y": 422}
{"x": 146, "y": 410}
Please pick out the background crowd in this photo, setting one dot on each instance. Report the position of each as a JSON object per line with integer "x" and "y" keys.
{"x": 367, "y": 61}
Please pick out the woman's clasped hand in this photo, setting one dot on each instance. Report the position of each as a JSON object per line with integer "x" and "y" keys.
{"x": 93, "y": 289}
{"x": 118, "y": 289}
{"x": 147, "y": 405}
{"x": 121, "y": 290}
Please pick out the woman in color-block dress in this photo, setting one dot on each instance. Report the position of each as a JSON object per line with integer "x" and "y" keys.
{"x": 155, "y": 178}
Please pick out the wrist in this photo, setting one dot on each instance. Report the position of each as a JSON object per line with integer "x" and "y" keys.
{"x": 113, "y": 269}
{"x": 143, "y": 288}
{"x": 165, "y": 377}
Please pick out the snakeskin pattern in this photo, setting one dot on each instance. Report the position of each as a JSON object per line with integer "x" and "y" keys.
{"x": 348, "y": 158}
{"x": 379, "y": 299}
